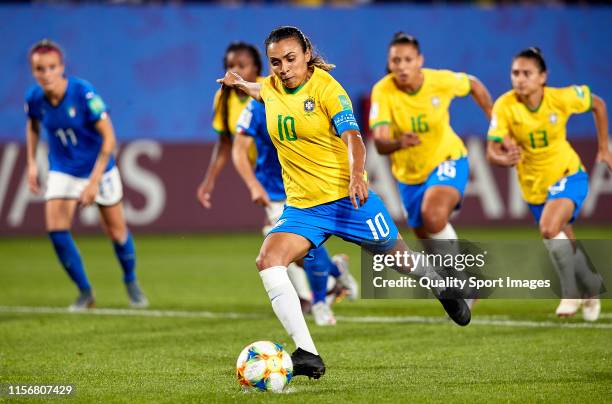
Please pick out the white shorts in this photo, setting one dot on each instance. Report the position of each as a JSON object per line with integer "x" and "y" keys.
{"x": 65, "y": 186}
{"x": 274, "y": 211}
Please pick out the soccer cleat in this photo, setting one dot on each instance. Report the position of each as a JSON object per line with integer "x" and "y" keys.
{"x": 568, "y": 307}
{"x": 323, "y": 314}
{"x": 456, "y": 307}
{"x": 307, "y": 364}
{"x": 346, "y": 280}
{"x": 83, "y": 302}
{"x": 137, "y": 299}
{"x": 591, "y": 309}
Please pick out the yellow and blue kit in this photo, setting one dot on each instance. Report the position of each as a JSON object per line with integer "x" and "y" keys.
{"x": 549, "y": 167}
{"x": 305, "y": 125}
{"x": 440, "y": 158}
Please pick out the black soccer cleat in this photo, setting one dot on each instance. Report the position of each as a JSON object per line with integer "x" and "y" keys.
{"x": 456, "y": 307}
{"x": 307, "y": 364}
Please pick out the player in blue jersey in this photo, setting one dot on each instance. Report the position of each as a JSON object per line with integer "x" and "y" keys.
{"x": 265, "y": 184}
{"x": 82, "y": 169}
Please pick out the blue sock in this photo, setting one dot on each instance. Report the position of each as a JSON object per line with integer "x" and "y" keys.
{"x": 70, "y": 258}
{"x": 334, "y": 270}
{"x": 318, "y": 266}
{"x": 126, "y": 254}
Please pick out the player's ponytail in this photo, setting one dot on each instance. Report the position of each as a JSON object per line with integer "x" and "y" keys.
{"x": 285, "y": 32}
{"x": 223, "y": 104}
{"x": 534, "y": 54}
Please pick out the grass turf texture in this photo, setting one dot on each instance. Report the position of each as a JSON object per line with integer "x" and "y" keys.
{"x": 182, "y": 359}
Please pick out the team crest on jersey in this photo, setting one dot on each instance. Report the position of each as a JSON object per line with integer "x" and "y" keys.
{"x": 72, "y": 112}
{"x": 552, "y": 118}
{"x": 309, "y": 104}
{"x": 435, "y": 101}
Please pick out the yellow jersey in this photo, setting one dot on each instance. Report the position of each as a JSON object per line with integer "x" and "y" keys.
{"x": 425, "y": 113}
{"x": 235, "y": 105}
{"x": 301, "y": 125}
{"x": 547, "y": 156}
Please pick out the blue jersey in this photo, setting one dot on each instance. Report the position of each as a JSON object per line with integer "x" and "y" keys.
{"x": 268, "y": 170}
{"x": 74, "y": 142}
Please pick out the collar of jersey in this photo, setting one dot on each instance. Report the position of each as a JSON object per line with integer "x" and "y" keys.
{"x": 412, "y": 93}
{"x": 533, "y": 111}
{"x": 294, "y": 90}
{"x": 298, "y": 88}
{"x": 61, "y": 101}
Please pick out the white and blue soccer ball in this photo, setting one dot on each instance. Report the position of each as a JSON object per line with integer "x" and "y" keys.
{"x": 264, "y": 366}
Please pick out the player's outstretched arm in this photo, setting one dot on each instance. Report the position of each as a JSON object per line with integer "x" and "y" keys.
{"x": 32, "y": 137}
{"x": 231, "y": 79}
{"x": 221, "y": 154}
{"x": 601, "y": 123}
{"x": 358, "y": 188}
{"x": 104, "y": 127}
{"x": 240, "y": 157}
{"x": 481, "y": 95}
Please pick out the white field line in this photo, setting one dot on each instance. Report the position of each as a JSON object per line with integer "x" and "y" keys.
{"x": 477, "y": 320}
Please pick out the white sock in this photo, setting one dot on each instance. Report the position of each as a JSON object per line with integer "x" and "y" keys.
{"x": 299, "y": 280}
{"x": 562, "y": 254}
{"x": 590, "y": 281}
{"x": 447, "y": 233}
{"x": 446, "y": 245}
{"x": 286, "y": 306}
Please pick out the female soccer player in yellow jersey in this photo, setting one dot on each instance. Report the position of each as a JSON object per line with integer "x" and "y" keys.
{"x": 528, "y": 129}
{"x": 243, "y": 59}
{"x": 409, "y": 120}
{"x": 310, "y": 120}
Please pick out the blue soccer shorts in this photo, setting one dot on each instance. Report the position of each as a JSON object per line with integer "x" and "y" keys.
{"x": 453, "y": 173}
{"x": 574, "y": 187}
{"x": 370, "y": 226}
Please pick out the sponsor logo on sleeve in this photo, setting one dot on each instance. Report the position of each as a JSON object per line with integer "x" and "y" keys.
{"x": 374, "y": 110}
{"x": 96, "y": 105}
{"x": 345, "y": 103}
{"x": 579, "y": 91}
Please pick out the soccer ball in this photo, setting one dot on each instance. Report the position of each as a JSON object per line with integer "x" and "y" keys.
{"x": 265, "y": 366}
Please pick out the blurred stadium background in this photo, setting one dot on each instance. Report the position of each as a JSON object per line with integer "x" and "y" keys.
{"x": 155, "y": 65}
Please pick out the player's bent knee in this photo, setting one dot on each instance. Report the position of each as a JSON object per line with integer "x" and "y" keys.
{"x": 434, "y": 220}
{"x": 268, "y": 258}
{"x": 549, "y": 231}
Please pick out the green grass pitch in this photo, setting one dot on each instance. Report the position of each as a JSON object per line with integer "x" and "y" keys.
{"x": 208, "y": 303}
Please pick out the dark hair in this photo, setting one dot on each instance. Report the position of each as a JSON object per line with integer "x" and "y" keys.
{"x": 534, "y": 54}
{"x": 225, "y": 91}
{"x": 402, "y": 38}
{"x": 286, "y": 32}
{"x": 46, "y": 46}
